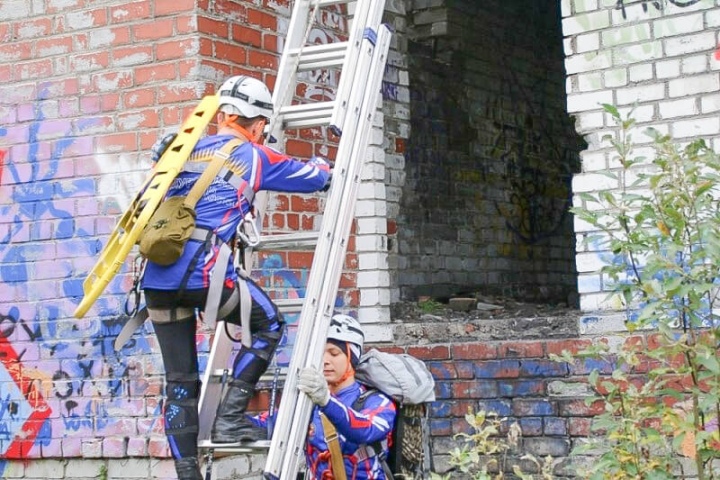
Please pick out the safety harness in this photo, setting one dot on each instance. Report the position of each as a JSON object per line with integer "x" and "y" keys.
{"x": 246, "y": 236}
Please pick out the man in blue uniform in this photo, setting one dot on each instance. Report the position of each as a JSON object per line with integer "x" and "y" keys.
{"x": 173, "y": 293}
{"x": 334, "y": 392}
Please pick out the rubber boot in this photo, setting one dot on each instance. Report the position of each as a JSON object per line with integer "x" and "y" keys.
{"x": 231, "y": 425}
{"x": 188, "y": 468}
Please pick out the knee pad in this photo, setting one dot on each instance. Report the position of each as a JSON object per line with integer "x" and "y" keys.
{"x": 181, "y": 404}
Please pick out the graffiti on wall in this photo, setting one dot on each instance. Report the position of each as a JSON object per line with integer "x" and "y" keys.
{"x": 58, "y": 377}
{"x": 658, "y": 5}
{"x": 538, "y": 179}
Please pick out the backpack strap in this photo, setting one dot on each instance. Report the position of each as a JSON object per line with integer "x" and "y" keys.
{"x": 373, "y": 449}
{"x": 331, "y": 439}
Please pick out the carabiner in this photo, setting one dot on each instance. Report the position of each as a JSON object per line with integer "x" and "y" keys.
{"x": 247, "y": 232}
{"x": 134, "y": 292}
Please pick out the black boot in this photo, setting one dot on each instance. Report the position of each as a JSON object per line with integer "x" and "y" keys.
{"x": 231, "y": 425}
{"x": 188, "y": 468}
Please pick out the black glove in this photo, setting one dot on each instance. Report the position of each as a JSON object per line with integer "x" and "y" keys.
{"x": 161, "y": 145}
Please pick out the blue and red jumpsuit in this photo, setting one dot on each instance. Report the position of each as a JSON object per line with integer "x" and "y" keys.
{"x": 184, "y": 284}
{"x": 372, "y": 425}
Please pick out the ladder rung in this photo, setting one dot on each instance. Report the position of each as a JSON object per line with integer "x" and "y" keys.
{"x": 266, "y": 377}
{"x": 289, "y": 240}
{"x": 289, "y": 304}
{"x": 306, "y": 115}
{"x": 234, "y": 448}
{"x": 321, "y": 56}
{"x": 330, "y": 3}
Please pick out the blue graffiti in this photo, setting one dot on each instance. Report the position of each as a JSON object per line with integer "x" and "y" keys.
{"x": 84, "y": 352}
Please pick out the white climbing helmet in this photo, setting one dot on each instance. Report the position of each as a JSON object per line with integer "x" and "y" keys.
{"x": 345, "y": 328}
{"x": 245, "y": 96}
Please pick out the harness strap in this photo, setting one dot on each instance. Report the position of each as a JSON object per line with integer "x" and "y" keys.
{"x": 227, "y": 175}
{"x": 331, "y": 439}
{"x": 215, "y": 288}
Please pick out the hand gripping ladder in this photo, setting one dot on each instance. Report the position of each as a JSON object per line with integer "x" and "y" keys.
{"x": 362, "y": 62}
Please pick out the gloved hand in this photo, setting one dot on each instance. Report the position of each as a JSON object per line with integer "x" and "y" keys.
{"x": 329, "y": 181}
{"x": 314, "y": 384}
{"x": 159, "y": 147}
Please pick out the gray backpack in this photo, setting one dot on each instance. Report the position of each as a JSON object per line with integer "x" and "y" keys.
{"x": 410, "y": 384}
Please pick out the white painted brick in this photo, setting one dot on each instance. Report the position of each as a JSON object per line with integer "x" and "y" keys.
{"x": 588, "y": 101}
{"x": 581, "y": 226}
{"x": 587, "y": 42}
{"x": 587, "y": 62}
{"x": 589, "y": 262}
{"x": 696, "y": 127}
{"x": 694, "y": 64}
{"x": 690, "y": 44}
{"x": 615, "y": 78}
{"x": 592, "y": 182}
{"x": 632, "y": 13}
{"x": 568, "y": 46}
{"x": 681, "y": 8}
{"x": 46, "y": 469}
{"x": 639, "y": 73}
{"x": 710, "y": 103}
{"x": 593, "y": 161}
{"x": 589, "y": 120}
{"x": 370, "y": 243}
{"x": 667, "y": 68}
{"x": 373, "y": 279}
{"x": 370, "y": 208}
{"x": 601, "y": 324}
{"x": 371, "y": 190}
{"x": 666, "y": 27}
{"x": 712, "y": 18}
{"x": 585, "y": 22}
{"x": 378, "y": 333}
{"x": 588, "y": 82}
{"x": 372, "y": 297}
{"x": 626, "y": 34}
{"x": 588, "y": 283}
{"x": 693, "y": 85}
{"x": 565, "y": 8}
{"x": 371, "y": 225}
{"x": 644, "y": 93}
{"x": 373, "y": 261}
{"x": 641, "y": 113}
{"x": 91, "y": 468}
{"x": 129, "y": 468}
{"x": 643, "y": 52}
{"x": 678, "y": 108}
{"x": 582, "y": 6}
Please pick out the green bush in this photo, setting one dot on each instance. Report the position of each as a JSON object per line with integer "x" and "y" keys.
{"x": 659, "y": 231}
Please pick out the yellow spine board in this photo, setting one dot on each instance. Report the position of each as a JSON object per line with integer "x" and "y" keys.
{"x": 128, "y": 229}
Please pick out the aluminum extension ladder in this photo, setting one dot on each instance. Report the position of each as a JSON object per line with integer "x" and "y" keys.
{"x": 361, "y": 60}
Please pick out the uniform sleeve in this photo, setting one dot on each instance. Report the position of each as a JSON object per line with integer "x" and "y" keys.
{"x": 371, "y": 424}
{"x": 280, "y": 172}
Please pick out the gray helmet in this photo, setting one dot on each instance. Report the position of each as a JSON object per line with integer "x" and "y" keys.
{"x": 345, "y": 328}
{"x": 245, "y": 96}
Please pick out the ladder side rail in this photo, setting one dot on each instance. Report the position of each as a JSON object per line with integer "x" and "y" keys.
{"x": 307, "y": 329}
{"x": 337, "y": 257}
{"x": 302, "y": 406}
{"x": 211, "y": 387}
{"x": 367, "y": 15}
